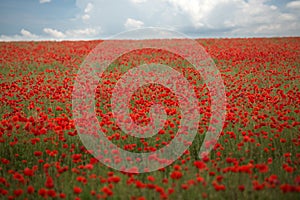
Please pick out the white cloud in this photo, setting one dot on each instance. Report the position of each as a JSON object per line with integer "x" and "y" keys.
{"x": 88, "y": 8}
{"x": 86, "y": 17}
{"x": 196, "y": 10}
{"x": 293, "y": 5}
{"x": 45, "y": 1}
{"x": 287, "y": 17}
{"x": 199, "y": 18}
{"x": 267, "y": 28}
{"x": 237, "y": 18}
{"x": 253, "y": 17}
{"x": 138, "y": 1}
{"x": 273, "y": 7}
{"x": 259, "y": 18}
{"x": 132, "y": 23}
{"x": 73, "y": 33}
{"x": 82, "y": 33}
{"x": 54, "y": 33}
{"x": 25, "y": 35}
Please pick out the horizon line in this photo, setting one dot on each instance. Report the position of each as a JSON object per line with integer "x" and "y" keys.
{"x": 103, "y": 39}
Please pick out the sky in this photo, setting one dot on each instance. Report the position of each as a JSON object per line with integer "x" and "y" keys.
{"x": 101, "y": 19}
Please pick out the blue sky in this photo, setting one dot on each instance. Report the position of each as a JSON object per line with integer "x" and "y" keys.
{"x": 96, "y": 19}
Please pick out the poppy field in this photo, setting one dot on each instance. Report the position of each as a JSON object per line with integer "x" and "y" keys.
{"x": 257, "y": 155}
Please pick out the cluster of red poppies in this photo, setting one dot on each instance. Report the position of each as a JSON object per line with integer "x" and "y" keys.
{"x": 257, "y": 154}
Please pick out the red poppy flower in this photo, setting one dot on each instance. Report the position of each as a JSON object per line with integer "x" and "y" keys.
{"x": 241, "y": 187}
{"x": 30, "y": 189}
{"x": 151, "y": 178}
{"x": 176, "y": 175}
{"x": 77, "y": 190}
{"x": 18, "y": 192}
{"x": 49, "y": 182}
{"x": 200, "y": 164}
{"x": 42, "y": 192}
{"x": 28, "y": 172}
{"x": 107, "y": 191}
